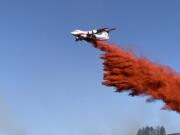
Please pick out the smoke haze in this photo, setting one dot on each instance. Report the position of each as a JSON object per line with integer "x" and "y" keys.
{"x": 8, "y": 124}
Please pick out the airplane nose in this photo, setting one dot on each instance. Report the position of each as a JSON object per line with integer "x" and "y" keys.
{"x": 73, "y": 33}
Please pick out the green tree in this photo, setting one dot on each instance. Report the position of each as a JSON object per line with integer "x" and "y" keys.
{"x": 162, "y": 131}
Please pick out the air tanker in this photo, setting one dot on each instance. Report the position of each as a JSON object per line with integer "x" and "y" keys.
{"x": 101, "y": 34}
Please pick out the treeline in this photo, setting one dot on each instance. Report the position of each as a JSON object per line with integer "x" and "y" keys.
{"x": 152, "y": 131}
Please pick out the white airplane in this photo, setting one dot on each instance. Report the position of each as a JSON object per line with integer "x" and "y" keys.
{"x": 96, "y": 34}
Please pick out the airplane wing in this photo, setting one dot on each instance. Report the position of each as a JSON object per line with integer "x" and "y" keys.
{"x": 105, "y": 29}
{"x": 79, "y": 38}
{"x": 88, "y": 37}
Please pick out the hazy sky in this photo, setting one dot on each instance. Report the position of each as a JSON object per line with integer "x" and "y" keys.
{"x": 51, "y": 85}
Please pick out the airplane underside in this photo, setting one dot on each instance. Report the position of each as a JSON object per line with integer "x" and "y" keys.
{"x": 87, "y": 38}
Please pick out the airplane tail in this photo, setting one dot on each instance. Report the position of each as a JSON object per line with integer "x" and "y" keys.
{"x": 111, "y": 29}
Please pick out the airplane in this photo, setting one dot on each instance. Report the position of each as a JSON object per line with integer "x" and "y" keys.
{"x": 96, "y": 34}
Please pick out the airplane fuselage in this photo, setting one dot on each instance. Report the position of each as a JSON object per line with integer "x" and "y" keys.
{"x": 99, "y": 34}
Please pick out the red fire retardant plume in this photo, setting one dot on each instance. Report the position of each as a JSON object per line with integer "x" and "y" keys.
{"x": 126, "y": 72}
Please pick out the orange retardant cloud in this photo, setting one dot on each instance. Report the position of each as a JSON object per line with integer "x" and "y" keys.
{"x": 126, "y": 72}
